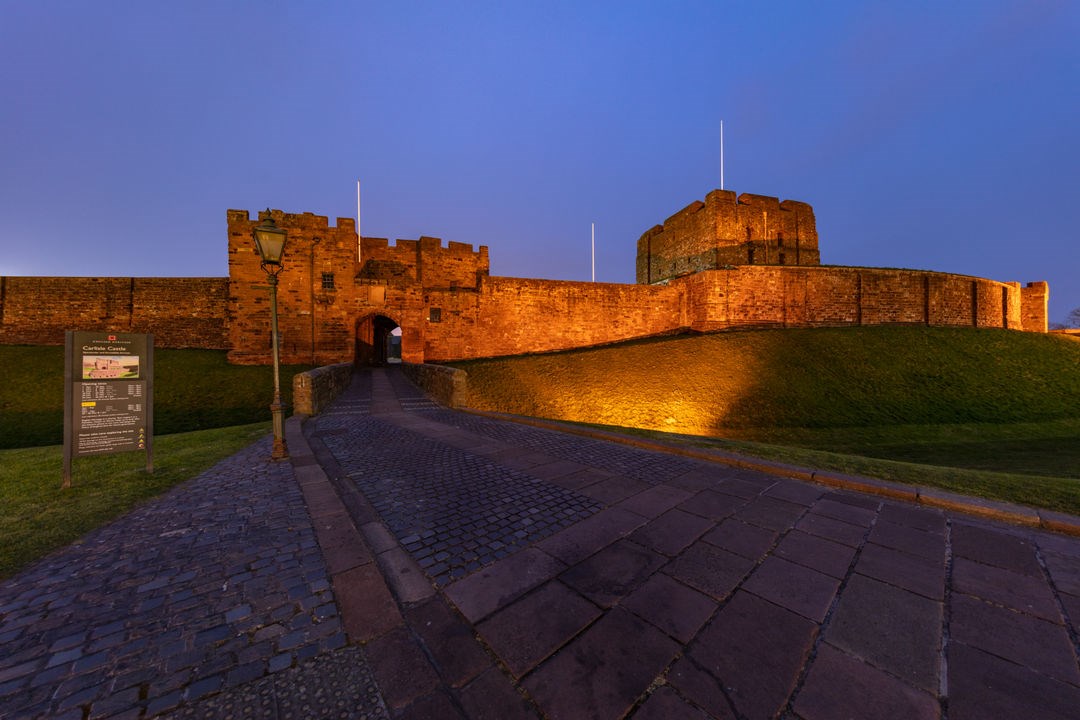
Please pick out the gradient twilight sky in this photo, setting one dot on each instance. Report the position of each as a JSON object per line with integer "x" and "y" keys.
{"x": 926, "y": 134}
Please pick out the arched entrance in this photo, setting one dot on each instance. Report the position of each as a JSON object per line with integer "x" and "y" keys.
{"x": 373, "y": 340}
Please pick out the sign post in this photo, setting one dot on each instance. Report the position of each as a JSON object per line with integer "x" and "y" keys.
{"x": 108, "y": 396}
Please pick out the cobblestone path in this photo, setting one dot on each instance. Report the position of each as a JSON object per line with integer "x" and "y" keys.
{"x": 218, "y": 588}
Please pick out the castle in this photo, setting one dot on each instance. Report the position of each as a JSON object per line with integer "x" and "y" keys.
{"x": 747, "y": 261}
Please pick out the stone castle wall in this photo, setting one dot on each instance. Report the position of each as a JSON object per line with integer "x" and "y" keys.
{"x": 728, "y": 230}
{"x": 339, "y": 298}
{"x": 180, "y": 312}
{"x": 319, "y": 318}
{"x": 509, "y": 316}
{"x": 757, "y": 296}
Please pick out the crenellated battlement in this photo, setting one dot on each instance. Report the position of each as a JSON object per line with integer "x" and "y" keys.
{"x": 335, "y": 249}
{"x": 305, "y": 220}
{"x": 425, "y": 244}
{"x": 728, "y": 229}
{"x": 425, "y": 262}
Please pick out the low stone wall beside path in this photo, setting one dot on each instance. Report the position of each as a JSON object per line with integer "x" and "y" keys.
{"x": 315, "y": 389}
{"x": 446, "y": 385}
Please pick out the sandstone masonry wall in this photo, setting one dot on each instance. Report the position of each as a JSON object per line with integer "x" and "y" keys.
{"x": 180, "y": 312}
{"x": 315, "y": 318}
{"x": 370, "y": 279}
{"x": 1034, "y": 311}
{"x": 508, "y": 316}
{"x": 340, "y": 296}
{"x": 728, "y": 230}
{"x": 764, "y": 296}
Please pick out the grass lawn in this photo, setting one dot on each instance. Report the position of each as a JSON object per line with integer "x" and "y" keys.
{"x": 37, "y": 516}
{"x": 193, "y": 390}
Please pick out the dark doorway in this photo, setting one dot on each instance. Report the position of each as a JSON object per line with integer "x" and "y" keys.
{"x": 373, "y": 341}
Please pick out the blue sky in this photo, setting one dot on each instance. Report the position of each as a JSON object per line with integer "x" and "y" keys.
{"x": 927, "y": 135}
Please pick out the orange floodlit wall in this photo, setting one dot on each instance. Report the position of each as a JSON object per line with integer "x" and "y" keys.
{"x": 747, "y": 261}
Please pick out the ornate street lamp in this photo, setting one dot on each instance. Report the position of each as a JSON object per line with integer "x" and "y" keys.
{"x": 270, "y": 242}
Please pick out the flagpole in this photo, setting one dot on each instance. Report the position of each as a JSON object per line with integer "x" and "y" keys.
{"x": 721, "y": 154}
{"x": 359, "y": 241}
{"x": 593, "y": 252}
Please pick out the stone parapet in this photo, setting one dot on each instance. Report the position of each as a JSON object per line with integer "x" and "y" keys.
{"x": 315, "y": 389}
{"x": 446, "y": 385}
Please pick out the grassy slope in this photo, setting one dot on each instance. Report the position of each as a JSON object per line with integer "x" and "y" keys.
{"x": 986, "y": 399}
{"x": 193, "y": 389}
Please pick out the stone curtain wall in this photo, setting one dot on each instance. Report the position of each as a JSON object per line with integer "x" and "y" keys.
{"x": 505, "y": 316}
{"x": 752, "y": 296}
{"x": 728, "y": 230}
{"x": 509, "y": 316}
{"x": 180, "y": 312}
{"x": 339, "y": 295}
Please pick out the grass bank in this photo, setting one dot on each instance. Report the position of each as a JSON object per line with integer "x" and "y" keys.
{"x": 193, "y": 390}
{"x": 997, "y": 411}
{"x": 37, "y": 516}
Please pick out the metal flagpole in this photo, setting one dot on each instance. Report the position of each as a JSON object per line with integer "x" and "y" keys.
{"x": 359, "y": 241}
{"x": 721, "y": 154}
{"x": 593, "y": 252}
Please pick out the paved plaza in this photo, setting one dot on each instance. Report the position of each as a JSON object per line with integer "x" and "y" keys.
{"x": 412, "y": 561}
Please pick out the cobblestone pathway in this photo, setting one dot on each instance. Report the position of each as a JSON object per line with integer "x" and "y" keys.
{"x": 452, "y": 510}
{"x": 695, "y": 590}
{"x": 215, "y": 585}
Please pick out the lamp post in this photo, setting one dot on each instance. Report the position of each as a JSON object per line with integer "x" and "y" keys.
{"x": 270, "y": 242}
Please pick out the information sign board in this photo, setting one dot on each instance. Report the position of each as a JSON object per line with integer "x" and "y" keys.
{"x": 108, "y": 395}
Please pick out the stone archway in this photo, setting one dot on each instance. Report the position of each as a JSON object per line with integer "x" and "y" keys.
{"x": 373, "y": 340}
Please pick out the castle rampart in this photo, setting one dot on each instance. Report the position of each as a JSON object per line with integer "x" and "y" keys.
{"x": 758, "y": 297}
{"x": 340, "y": 296}
{"x": 509, "y": 316}
{"x": 180, "y": 312}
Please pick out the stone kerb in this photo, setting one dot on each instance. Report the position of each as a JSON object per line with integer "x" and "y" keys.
{"x": 447, "y": 385}
{"x": 315, "y": 389}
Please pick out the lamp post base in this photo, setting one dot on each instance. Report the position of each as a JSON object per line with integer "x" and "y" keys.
{"x": 281, "y": 450}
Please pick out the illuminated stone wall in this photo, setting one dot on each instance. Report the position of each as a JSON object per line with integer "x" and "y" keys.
{"x": 331, "y": 287}
{"x": 508, "y": 316}
{"x": 726, "y": 230}
{"x": 180, "y": 312}
{"x": 338, "y": 298}
{"x": 756, "y": 296}
{"x": 1034, "y": 313}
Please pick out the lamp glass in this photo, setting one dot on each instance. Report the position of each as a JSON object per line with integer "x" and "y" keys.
{"x": 270, "y": 241}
